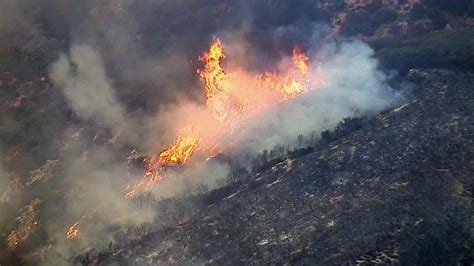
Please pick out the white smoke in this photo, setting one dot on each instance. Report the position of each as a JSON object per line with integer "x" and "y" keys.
{"x": 82, "y": 77}
{"x": 94, "y": 180}
{"x": 354, "y": 87}
{"x": 197, "y": 178}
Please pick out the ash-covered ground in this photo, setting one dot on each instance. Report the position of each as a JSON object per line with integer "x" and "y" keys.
{"x": 396, "y": 190}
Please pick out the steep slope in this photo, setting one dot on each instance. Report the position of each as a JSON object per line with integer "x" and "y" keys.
{"x": 397, "y": 190}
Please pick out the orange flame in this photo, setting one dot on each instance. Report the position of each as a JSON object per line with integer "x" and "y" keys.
{"x": 232, "y": 97}
{"x": 181, "y": 150}
{"x": 213, "y": 75}
{"x": 300, "y": 60}
{"x": 73, "y": 231}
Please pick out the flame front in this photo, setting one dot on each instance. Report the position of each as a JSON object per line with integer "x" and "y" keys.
{"x": 232, "y": 97}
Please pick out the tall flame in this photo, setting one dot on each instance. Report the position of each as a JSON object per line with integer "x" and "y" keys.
{"x": 231, "y": 98}
{"x": 213, "y": 75}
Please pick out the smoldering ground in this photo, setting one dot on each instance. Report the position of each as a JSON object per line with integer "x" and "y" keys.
{"x": 126, "y": 72}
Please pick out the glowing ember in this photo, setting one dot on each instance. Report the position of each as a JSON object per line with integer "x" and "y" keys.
{"x": 232, "y": 97}
{"x": 28, "y": 224}
{"x": 73, "y": 231}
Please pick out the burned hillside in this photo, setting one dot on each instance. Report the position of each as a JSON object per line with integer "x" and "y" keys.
{"x": 397, "y": 190}
{"x": 235, "y": 131}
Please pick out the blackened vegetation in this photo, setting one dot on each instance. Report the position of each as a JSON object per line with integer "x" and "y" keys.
{"x": 367, "y": 22}
{"x": 395, "y": 190}
{"x": 306, "y": 144}
{"x": 30, "y": 112}
{"x": 447, "y": 49}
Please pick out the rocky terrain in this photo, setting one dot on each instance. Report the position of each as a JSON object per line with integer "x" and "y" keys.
{"x": 396, "y": 191}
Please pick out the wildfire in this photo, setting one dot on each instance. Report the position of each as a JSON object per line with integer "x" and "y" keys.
{"x": 73, "y": 231}
{"x": 181, "y": 151}
{"x": 300, "y": 60}
{"x": 187, "y": 142}
{"x": 233, "y": 96}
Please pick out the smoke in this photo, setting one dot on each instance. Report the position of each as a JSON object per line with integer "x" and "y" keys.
{"x": 354, "y": 87}
{"x": 94, "y": 178}
{"x": 195, "y": 179}
{"x": 11, "y": 9}
{"x": 82, "y": 78}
